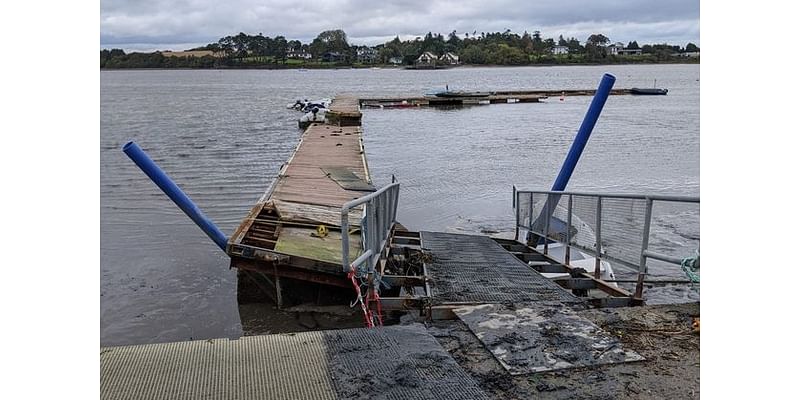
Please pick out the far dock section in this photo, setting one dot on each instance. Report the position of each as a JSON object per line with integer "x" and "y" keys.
{"x": 294, "y": 230}
{"x": 495, "y": 97}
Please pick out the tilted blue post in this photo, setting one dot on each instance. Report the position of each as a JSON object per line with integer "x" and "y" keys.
{"x": 149, "y": 167}
{"x": 589, "y": 121}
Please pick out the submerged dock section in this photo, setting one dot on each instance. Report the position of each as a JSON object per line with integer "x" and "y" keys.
{"x": 294, "y": 229}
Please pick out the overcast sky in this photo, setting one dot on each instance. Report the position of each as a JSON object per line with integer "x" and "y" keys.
{"x": 148, "y": 25}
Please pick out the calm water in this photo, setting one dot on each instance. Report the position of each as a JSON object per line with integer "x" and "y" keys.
{"x": 223, "y": 135}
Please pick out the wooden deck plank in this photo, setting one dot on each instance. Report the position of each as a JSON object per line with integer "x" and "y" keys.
{"x": 300, "y": 242}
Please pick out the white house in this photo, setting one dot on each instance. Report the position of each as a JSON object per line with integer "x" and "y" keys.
{"x": 298, "y": 54}
{"x": 616, "y": 48}
{"x": 449, "y": 58}
{"x": 427, "y": 58}
{"x": 559, "y": 50}
{"x": 396, "y": 60}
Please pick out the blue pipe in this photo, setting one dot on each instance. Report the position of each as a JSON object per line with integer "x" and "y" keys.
{"x": 149, "y": 167}
{"x": 584, "y": 132}
{"x": 581, "y": 139}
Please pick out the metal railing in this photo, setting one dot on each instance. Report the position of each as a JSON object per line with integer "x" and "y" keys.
{"x": 616, "y": 227}
{"x": 380, "y": 213}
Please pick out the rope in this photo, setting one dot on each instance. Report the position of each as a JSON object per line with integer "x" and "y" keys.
{"x": 690, "y": 266}
{"x": 359, "y": 299}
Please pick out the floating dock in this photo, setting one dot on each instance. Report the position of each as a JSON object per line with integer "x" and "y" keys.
{"x": 496, "y": 97}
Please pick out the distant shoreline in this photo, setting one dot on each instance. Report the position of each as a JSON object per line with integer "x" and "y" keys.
{"x": 403, "y": 67}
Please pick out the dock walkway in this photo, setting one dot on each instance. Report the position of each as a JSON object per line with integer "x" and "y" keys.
{"x": 327, "y": 169}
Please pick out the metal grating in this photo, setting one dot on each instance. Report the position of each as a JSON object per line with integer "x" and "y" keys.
{"x": 274, "y": 366}
{"x": 475, "y": 269}
{"x": 396, "y": 362}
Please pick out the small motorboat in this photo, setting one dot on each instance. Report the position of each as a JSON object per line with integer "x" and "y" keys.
{"x": 306, "y": 105}
{"x": 316, "y": 114}
{"x": 649, "y": 91}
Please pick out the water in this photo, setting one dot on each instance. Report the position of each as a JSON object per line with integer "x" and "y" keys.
{"x": 223, "y": 135}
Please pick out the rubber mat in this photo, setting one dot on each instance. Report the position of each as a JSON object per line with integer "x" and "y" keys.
{"x": 470, "y": 269}
{"x": 529, "y": 338}
{"x": 256, "y": 367}
{"x": 396, "y": 362}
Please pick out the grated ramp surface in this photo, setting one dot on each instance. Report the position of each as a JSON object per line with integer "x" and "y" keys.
{"x": 470, "y": 269}
{"x": 395, "y": 362}
{"x": 256, "y": 367}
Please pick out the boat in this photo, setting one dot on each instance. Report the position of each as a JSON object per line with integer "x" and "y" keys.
{"x": 580, "y": 232}
{"x": 649, "y": 91}
{"x": 306, "y": 105}
{"x": 316, "y": 114}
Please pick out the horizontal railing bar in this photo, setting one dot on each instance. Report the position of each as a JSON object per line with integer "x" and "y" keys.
{"x": 662, "y": 257}
{"x": 686, "y": 199}
{"x": 360, "y": 260}
{"x": 362, "y": 200}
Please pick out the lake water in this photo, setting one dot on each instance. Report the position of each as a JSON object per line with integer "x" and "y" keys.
{"x": 223, "y": 135}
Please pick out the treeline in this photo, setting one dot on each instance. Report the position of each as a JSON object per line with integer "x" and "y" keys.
{"x": 331, "y": 48}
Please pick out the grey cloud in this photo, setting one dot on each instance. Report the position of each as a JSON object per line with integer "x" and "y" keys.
{"x": 372, "y": 22}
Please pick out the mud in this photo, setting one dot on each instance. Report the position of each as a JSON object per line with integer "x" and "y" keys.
{"x": 662, "y": 334}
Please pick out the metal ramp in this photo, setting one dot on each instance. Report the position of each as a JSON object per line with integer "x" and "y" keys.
{"x": 469, "y": 269}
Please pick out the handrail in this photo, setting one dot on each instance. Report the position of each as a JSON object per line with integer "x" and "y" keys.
{"x": 655, "y": 197}
{"x": 380, "y": 215}
{"x": 541, "y": 229}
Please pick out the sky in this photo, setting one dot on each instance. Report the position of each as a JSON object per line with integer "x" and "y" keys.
{"x": 148, "y": 25}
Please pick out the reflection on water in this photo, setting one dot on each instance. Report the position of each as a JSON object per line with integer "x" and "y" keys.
{"x": 223, "y": 135}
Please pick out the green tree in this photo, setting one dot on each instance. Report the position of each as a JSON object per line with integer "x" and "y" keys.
{"x": 691, "y": 48}
{"x": 330, "y": 41}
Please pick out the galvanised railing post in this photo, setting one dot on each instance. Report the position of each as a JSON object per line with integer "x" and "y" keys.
{"x": 548, "y": 205}
{"x": 516, "y": 212}
{"x": 598, "y": 245}
{"x": 645, "y": 242}
{"x": 530, "y": 218}
{"x": 569, "y": 229}
{"x": 371, "y": 238}
{"x": 346, "y": 240}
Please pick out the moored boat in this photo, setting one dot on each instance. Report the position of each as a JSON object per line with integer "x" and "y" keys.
{"x": 649, "y": 91}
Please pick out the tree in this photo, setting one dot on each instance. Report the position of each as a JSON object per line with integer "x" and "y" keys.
{"x": 632, "y": 45}
{"x": 281, "y": 47}
{"x": 330, "y": 41}
{"x": 561, "y": 41}
{"x": 597, "y": 39}
{"x": 596, "y": 47}
{"x": 692, "y": 48}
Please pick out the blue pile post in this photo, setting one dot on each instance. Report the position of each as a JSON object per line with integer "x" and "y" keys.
{"x": 149, "y": 167}
{"x": 581, "y": 139}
